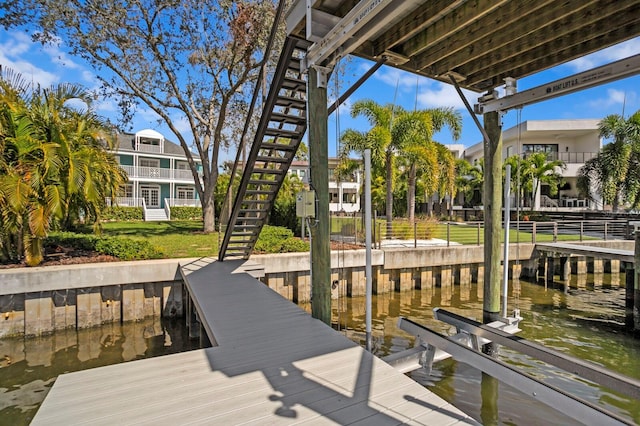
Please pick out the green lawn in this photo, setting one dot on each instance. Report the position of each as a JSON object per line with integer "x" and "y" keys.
{"x": 185, "y": 238}
{"x": 175, "y": 238}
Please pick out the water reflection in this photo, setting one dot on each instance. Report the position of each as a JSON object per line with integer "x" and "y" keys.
{"x": 582, "y": 320}
{"x": 29, "y": 367}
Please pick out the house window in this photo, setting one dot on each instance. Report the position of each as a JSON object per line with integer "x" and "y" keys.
{"x": 149, "y": 162}
{"x": 151, "y": 195}
{"x": 150, "y": 141}
{"x": 349, "y": 196}
{"x": 334, "y": 197}
{"x": 550, "y": 149}
{"x": 181, "y": 165}
{"x": 185, "y": 193}
{"x": 126, "y": 190}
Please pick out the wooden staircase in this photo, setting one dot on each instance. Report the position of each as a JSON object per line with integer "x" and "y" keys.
{"x": 282, "y": 125}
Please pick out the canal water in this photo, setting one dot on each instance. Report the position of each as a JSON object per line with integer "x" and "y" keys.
{"x": 29, "y": 367}
{"x": 584, "y": 321}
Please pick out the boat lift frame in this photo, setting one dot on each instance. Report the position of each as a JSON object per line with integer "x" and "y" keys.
{"x": 465, "y": 347}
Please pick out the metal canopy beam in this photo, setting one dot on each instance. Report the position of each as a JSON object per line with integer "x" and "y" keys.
{"x": 584, "y": 80}
{"x": 483, "y": 40}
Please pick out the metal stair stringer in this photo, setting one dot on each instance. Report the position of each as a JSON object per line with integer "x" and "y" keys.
{"x": 282, "y": 125}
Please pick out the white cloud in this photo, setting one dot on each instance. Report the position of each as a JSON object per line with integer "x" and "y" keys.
{"x": 12, "y": 53}
{"x": 610, "y": 54}
{"x": 614, "y": 97}
{"x": 438, "y": 95}
{"x": 397, "y": 78}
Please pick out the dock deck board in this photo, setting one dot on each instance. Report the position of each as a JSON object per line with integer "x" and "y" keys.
{"x": 589, "y": 251}
{"x": 273, "y": 364}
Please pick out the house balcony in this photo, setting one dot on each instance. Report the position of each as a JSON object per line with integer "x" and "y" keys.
{"x": 569, "y": 157}
{"x": 159, "y": 173}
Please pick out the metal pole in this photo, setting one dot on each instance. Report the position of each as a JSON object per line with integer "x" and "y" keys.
{"x": 507, "y": 218}
{"x": 367, "y": 232}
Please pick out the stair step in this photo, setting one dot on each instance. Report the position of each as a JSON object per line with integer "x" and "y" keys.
{"x": 267, "y": 159}
{"x": 282, "y": 133}
{"x": 277, "y": 146}
{"x": 286, "y": 118}
{"x": 289, "y": 102}
{"x": 294, "y": 84}
{"x": 267, "y": 171}
{"x": 263, "y": 182}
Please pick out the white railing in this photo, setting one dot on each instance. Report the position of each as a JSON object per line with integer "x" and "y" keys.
{"x": 182, "y": 202}
{"x": 158, "y": 173}
{"x": 149, "y": 148}
{"x": 124, "y": 202}
{"x": 167, "y": 209}
{"x": 144, "y": 209}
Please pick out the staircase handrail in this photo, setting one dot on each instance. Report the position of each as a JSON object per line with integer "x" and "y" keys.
{"x": 167, "y": 209}
{"x": 225, "y": 212}
{"x": 144, "y": 209}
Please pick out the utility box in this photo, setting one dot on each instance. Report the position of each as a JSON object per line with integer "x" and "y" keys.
{"x": 306, "y": 204}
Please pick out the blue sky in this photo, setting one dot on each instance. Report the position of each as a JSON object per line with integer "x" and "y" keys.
{"x": 48, "y": 65}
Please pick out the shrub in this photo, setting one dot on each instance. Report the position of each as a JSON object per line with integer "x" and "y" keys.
{"x": 293, "y": 245}
{"x": 122, "y": 248}
{"x": 186, "y": 213}
{"x": 127, "y": 249}
{"x": 122, "y": 214}
{"x": 277, "y": 239}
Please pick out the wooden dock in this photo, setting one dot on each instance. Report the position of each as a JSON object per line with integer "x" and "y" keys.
{"x": 588, "y": 251}
{"x": 273, "y": 364}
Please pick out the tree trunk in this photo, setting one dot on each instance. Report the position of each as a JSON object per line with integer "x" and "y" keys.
{"x": 208, "y": 214}
{"x": 411, "y": 193}
{"x": 389, "y": 187}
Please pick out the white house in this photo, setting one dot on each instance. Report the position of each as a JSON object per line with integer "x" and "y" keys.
{"x": 344, "y": 195}
{"x": 572, "y": 141}
{"x": 159, "y": 175}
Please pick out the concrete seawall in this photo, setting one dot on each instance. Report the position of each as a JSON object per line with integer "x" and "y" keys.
{"x": 36, "y": 301}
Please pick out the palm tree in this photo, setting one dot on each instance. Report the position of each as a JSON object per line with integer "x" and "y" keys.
{"x": 53, "y": 164}
{"x": 378, "y": 139}
{"x": 414, "y": 131}
{"x": 469, "y": 179}
{"x": 613, "y": 172}
{"x": 88, "y": 173}
{"x": 537, "y": 169}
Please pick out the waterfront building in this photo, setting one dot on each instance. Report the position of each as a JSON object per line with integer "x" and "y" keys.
{"x": 571, "y": 141}
{"x": 158, "y": 173}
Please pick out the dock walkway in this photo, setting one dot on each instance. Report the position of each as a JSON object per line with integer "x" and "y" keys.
{"x": 589, "y": 251}
{"x": 273, "y": 364}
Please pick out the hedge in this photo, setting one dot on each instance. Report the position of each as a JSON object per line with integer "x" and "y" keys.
{"x": 122, "y": 214}
{"x": 186, "y": 213}
{"x": 122, "y": 248}
{"x": 277, "y": 239}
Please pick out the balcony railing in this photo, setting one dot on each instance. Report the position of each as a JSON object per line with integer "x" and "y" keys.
{"x": 568, "y": 157}
{"x": 183, "y": 202}
{"x": 138, "y": 202}
{"x": 125, "y": 202}
{"x": 149, "y": 148}
{"x": 158, "y": 173}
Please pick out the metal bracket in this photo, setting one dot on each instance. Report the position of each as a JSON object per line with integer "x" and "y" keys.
{"x": 323, "y": 75}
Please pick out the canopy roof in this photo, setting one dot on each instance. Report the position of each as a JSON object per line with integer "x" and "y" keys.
{"x": 481, "y": 42}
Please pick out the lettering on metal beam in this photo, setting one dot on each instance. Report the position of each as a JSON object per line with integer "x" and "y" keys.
{"x": 366, "y": 11}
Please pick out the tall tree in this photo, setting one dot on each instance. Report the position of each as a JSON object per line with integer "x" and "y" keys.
{"x": 188, "y": 61}
{"x": 614, "y": 171}
{"x": 52, "y": 164}
{"x": 378, "y": 139}
{"x": 412, "y": 133}
{"x": 469, "y": 179}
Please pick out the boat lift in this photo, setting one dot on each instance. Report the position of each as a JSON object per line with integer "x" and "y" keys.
{"x": 465, "y": 347}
